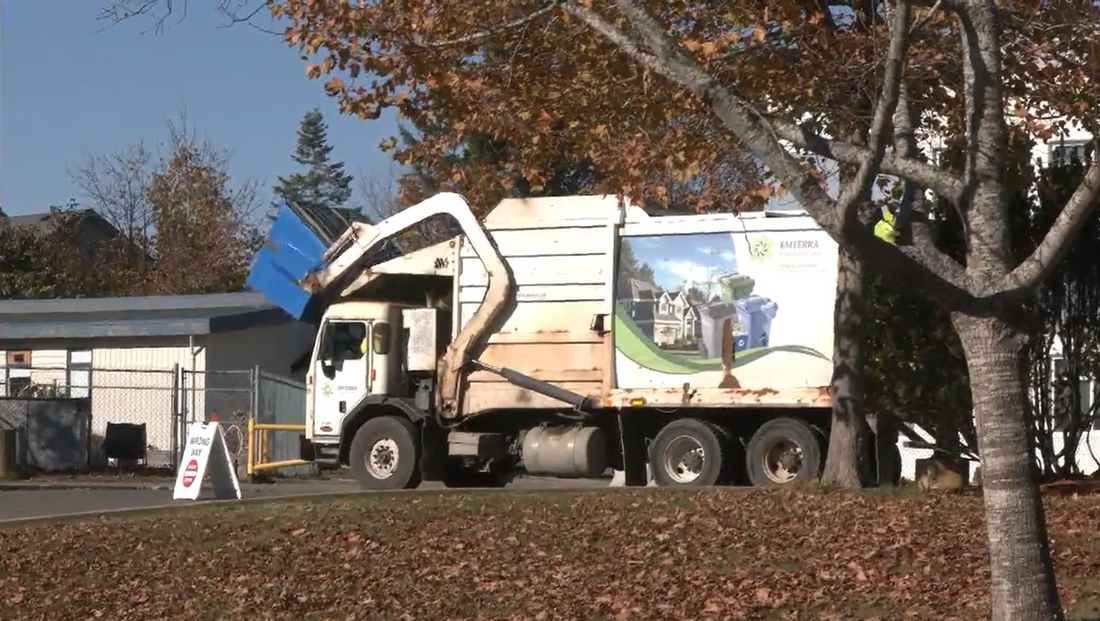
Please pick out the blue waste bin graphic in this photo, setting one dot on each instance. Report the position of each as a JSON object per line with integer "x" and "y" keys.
{"x": 755, "y": 314}
{"x": 751, "y": 323}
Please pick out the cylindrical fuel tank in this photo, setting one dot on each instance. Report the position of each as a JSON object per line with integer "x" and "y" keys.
{"x": 565, "y": 450}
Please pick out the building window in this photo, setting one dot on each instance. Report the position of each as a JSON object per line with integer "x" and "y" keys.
{"x": 1066, "y": 153}
{"x": 79, "y": 373}
{"x": 18, "y": 383}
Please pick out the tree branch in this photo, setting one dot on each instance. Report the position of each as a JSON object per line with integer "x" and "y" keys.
{"x": 755, "y": 131}
{"x": 474, "y": 37}
{"x": 893, "y": 163}
{"x": 1037, "y": 267}
{"x": 859, "y": 189}
{"x": 905, "y": 143}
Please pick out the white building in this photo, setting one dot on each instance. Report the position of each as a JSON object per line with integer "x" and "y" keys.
{"x": 159, "y": 360}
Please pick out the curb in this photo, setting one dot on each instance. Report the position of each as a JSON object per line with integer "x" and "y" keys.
{"x": 183, "y": 506}
{"x": 75, "y": 485}
{"x": 38, "y": 486}
{"x": 162, "y": 508}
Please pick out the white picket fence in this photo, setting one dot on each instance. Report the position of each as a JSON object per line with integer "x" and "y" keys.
{"x": 1088, "y": 461}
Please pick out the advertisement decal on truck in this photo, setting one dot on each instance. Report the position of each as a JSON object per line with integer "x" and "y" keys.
{"x": 687, "y": 310}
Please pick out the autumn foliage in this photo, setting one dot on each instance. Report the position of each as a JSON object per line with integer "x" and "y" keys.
{"x": 553, "y": 92}
{"x": 627, "y": 556}
{"x": 531, "y": 74}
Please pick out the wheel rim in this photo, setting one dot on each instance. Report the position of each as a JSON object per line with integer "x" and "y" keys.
{"x": 782, "y": 462}
{"x": 382, "y": 459}
{"x": 684, "y": 459}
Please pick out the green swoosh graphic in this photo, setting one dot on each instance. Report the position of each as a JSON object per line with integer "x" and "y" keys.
{"x": 640, "y": 349}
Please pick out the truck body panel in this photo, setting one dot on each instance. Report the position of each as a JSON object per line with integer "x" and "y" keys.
{"x": 560, "y": 268}
{"x": 564, "y": 269}
{"x": 772, "y": 280}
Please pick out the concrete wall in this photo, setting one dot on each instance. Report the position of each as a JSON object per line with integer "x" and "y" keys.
{"x": 273, "y": 348}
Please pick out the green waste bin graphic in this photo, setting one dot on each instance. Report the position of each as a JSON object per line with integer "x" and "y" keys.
{"x": 735, "y": 287}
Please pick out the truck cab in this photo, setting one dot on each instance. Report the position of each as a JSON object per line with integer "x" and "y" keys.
{"x": 353, "y": 359}
{"x": 369, "y": 354}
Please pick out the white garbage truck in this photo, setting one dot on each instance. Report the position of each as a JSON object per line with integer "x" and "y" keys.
{"x": 572, "y": 336}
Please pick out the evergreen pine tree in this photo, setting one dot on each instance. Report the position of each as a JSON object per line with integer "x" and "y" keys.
{"x": 324, "y": 183}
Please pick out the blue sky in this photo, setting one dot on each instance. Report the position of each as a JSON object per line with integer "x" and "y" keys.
{"x": 676, "y": 259}
{"x": 68, "y": 90}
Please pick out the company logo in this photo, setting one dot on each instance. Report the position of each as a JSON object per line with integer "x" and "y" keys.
{"x": 760, "y": 249}
{"x": 326, "y": 389}
{"x": 798, "y": 244}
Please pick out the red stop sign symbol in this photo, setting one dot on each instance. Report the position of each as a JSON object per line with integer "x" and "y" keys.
{"x": 190, "y": 472}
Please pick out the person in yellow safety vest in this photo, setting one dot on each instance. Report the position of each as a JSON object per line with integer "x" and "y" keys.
{"x": 363, "y": 345}
{"x": 886, "y": 228}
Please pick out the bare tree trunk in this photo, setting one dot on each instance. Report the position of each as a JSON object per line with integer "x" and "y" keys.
{"x": 1022, "y": 572}
{"x": 846, "y": 456}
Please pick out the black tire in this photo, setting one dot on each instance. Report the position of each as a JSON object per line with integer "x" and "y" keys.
{"x": 402, "y": 433}
{"x": 772, "y": 433}
{"x": 682, "y": 434}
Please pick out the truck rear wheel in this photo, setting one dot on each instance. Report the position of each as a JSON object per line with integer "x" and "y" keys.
{"x": 688, "y": 453}
{"x": 783, "y": 451}
{"x": 385, "y": 454}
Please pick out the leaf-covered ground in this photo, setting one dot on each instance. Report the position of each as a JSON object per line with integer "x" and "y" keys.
{"x": 540, "y": 555}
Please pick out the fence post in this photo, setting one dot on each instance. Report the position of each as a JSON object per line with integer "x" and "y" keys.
{"x": 257, "y": 398}
{"x": 254, "y": 372}
{"x": 8, "y": 460}
{"x": 177, "y": 417}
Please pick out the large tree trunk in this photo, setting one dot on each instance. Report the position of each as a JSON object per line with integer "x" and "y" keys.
{"x": 1022, "y": 571}
{"x": 846, "y": 457}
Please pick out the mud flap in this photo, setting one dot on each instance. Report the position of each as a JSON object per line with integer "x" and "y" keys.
{"x": 635, "y": 471}
{"x": 433, "y": 453}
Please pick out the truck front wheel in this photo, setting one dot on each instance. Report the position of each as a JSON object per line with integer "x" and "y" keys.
{"x": 385, "y": 454}
{"x": 688, "y": 453}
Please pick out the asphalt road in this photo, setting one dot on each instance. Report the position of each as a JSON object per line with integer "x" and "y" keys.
{"x": 33, "y": 503}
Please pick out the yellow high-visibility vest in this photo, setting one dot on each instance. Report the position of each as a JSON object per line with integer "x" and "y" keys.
{"x": 885, "y": 229}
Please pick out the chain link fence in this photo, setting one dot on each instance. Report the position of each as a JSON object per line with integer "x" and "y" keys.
{"x": 164, "y": 402}
{"x": 226, "y": 397}
{"x": 278, "y": 401}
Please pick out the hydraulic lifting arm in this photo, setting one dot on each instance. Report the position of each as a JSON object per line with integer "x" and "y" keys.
{"x": 349, "y": 255}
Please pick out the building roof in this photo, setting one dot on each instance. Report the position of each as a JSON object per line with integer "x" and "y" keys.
{"x": 43, "y": 221}
{"x": 160, "y": 315}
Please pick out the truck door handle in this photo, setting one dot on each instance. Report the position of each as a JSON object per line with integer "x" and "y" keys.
{"x": 343, "y": 407}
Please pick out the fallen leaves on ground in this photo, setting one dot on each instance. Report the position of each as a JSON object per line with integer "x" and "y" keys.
{"x": 537, "y": 555}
